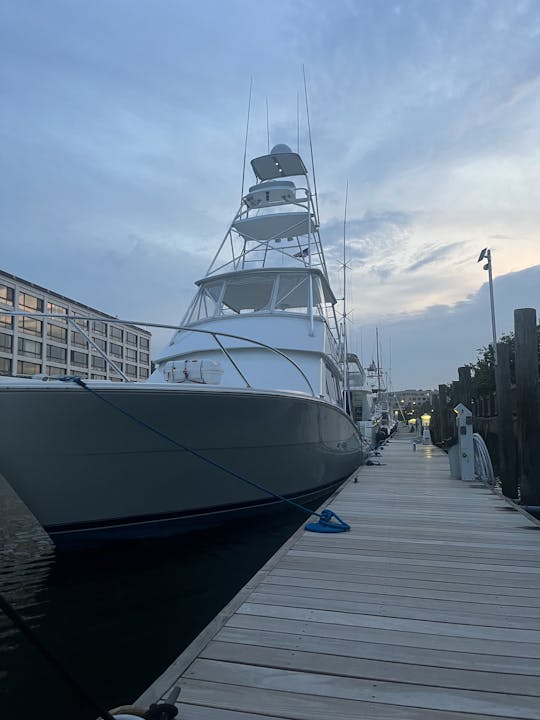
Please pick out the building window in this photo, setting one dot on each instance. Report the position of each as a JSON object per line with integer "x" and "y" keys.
{"x": 51, "y": 370}
{"x": 131, "y": 354}
{"x": 28, "y": 368}
{"x": 101, "y": 344}
{"x": 5, "y": 366}
{"x": 30, "y": 326}
{"x": 116, "y": 333}
{"x": 131, "y": 370}
{"x": 98, "y": 363}
{"x": 56, "y": 309}
{"x": 100, "y": 327}
{"x": 144, "y": 343}
{"x": 78, "y": 339}
{"x": 6, "y": 342}
{"x": 115, "y": 349}
{"x": 30, "y": 303}
{"x": 6, "y": 321}
{"x": 56, "y": 333}
{"x": 143, "y": 373}
{"x": 131, "y": 338}
{"x": 94, "y": 376}
{"x": 7, "y": 295}
{"x": 56, "y": 354}
{"x": 79, "y": 358}
{"x": 144, "y": 357}
{"x": 83, "y": 324}
{"x": 32, "y": 348}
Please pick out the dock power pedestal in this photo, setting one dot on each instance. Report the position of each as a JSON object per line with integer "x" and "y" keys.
{"x": 464, "y": 425}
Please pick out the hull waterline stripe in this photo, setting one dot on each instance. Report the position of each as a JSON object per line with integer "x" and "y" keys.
{"x": 194, "y": 515}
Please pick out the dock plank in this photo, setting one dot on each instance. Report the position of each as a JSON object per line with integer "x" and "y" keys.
{"x": 427, "y": 609}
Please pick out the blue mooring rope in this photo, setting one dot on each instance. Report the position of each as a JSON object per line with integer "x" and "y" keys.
{"x": 325, "y": 516}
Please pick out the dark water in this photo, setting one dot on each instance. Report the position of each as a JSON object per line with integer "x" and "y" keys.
{"x": 117, "y": 615}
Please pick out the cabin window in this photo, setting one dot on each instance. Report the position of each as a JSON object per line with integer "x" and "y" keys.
{"x": 332, "y": 384}
{"x": 293, "y": 292}
{"x": 251, "y": 293}
{"x": 205, "y": 304}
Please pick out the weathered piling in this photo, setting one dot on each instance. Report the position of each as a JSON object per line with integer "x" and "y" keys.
{"x": 465, "y": 385}
{"x": 527, "y": 404}
{"x": 505, "y": 423}
{"x": 443, "y": 412}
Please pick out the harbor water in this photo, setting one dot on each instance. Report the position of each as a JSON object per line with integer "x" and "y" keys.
{"x": 118, "y": 615}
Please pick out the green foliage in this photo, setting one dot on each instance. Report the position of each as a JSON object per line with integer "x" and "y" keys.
{"x": 483, "y": 370}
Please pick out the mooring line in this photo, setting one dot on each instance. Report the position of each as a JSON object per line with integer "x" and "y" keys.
{"x": 79, "y": 381}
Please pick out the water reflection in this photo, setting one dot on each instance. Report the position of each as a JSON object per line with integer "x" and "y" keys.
{"x": 117, "y": 615}
{"x": 26, "y": 557}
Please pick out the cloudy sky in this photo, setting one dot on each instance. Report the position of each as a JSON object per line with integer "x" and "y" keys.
{"x": 122, "y": 127}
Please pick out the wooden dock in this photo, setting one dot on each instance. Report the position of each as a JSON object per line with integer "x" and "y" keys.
{"x": 428, "y": 609}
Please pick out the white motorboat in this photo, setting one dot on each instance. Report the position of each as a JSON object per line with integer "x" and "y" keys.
{"x": 246, "y": 403}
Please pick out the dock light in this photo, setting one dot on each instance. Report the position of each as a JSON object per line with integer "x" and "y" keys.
{"x": 425, "y": 418}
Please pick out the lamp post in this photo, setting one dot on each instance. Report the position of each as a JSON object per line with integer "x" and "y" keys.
{"x": 426, "y": 435}
{"x": 486, "y": 255}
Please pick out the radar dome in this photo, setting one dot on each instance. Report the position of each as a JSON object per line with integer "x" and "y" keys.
{"x": 279, "y": 149}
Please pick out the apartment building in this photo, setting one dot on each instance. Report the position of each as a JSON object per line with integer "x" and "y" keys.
{"x": 30, "y": 346}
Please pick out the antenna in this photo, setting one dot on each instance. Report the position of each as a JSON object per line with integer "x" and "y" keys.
{"x": 344, "y": 255}
{"x": 246, "y": 140}
{"x": 311, "y": 144}
{"x": 345, "y": 361}
{"x": 298, "y": 123}
{"x": 378, "y": 362}
{"x": 267, "y": 127}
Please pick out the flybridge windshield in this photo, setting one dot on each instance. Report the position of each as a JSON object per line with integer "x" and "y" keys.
{"x": 263, "y": 292}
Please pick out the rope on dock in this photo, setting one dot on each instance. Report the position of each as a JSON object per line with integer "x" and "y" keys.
{"x": 343, "y": 527}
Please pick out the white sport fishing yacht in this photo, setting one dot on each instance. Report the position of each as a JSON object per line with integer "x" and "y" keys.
{"x": 250, "y": 388}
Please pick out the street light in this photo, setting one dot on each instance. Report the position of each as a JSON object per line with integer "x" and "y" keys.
{"x": 425, "y": 418}
{"x": 486, "y": 255}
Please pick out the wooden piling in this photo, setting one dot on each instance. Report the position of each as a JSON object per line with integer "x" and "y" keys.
{"x": 464, "y": 374}
{"x": 527, "y": 404}
{"x": 443, "y": 412}
{"x": 505, "y": 423}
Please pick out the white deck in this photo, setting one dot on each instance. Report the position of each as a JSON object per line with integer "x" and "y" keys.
{"x": 429, "y": 609}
